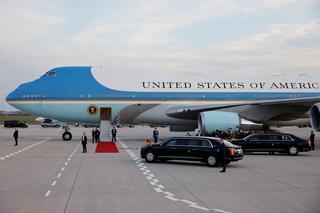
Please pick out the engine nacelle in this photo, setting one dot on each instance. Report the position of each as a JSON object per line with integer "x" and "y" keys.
{"x": 315, "y": 117}
{"x": 223, "y": 121}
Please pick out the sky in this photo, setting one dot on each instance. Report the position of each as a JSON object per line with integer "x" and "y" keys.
{"x": 132, "y": 38}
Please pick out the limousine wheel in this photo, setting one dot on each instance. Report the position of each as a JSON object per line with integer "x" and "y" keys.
{"x": 150, "y": 157}
{"x": 211, "y": 160}
{"x": 293, "y": 150}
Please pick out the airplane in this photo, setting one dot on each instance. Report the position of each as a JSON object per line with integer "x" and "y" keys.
{"x": 78, "y": 94}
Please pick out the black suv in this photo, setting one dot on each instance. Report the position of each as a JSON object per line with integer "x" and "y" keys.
{"x": 203, "y": 149}
{"x": 274, "y": 142}
{"x": 15, "y": 123}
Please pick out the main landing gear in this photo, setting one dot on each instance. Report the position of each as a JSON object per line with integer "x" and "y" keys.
{"x": 66, "y": 136}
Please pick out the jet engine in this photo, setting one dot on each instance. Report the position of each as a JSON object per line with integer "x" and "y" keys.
{"x": 217, "y": 120}
{"x": 315, "y": 117}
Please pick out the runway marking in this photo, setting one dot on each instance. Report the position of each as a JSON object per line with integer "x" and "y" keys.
{"x": 24, "y": 149}
{"x": 219, "y": 210}
{"x": 48, "y": 193}
{"x": 159, "y": 188}
{"x": 61, "y": 170}
{"x": 199, "y": 207}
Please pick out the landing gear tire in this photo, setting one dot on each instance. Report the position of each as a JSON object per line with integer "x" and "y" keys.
{"x": 211, "y": 160}
{"x": 293, "y": 150}
{"x": 67, "y": 136}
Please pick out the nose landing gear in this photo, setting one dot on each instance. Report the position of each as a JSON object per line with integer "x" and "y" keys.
{"x": 66, "y": 136}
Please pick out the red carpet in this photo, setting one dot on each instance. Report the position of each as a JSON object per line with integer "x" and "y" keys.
{"x": 106, "y": 147}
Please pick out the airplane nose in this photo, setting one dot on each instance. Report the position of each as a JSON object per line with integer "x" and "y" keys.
{"x": 18, "y": 93}
{"x": 12, "y": 96}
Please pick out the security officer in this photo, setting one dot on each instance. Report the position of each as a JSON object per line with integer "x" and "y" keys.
{"x": 114, "y": 134}
{"x": 84, "y": 143}
{"x": 222, "y": 154}
{"x": 16, "y": 136}
{"x": 155, "y": 135}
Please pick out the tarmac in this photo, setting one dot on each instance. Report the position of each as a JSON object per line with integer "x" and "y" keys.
{"x": 45, "y": 174}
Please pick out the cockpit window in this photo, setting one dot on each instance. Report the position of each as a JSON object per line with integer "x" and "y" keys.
{"x": 50, "y": 73}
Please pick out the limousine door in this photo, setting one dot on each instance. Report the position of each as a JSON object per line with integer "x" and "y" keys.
{"x": 253, "y": 144}
{"x": 198, "y": 148}
{"x": 271, "y": 143}
{"x": 175, "y": 148}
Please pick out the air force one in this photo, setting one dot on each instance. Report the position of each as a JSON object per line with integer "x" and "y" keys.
{"x": 83, "y": 95}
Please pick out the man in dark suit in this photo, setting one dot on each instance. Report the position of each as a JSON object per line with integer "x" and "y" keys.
{"x": 114, "y": 134}
{"x": 222, "y": 154}
{"x": 93, "y": 135}
{"x": 16, "y": 136}
{"x": 155, "y": 135}
{"x": 97, "y": 135}
{"x": 84, "y": 143}
{"x": 312, "y": 140}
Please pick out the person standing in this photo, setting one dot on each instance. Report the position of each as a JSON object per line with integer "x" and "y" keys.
{"x": 93, "y": 135}
{"x": 114, "y": 134}
{"x": 155, "y": 135}
{"x": 97, "y": 135}
{"x": 312, "y": 140}
{"x": 222, "y": 154}
{"x": 84, "y": 143}
{"x": 16, "y": 136}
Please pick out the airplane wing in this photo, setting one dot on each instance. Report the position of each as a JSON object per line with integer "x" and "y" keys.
{"x": 286, "y": 109}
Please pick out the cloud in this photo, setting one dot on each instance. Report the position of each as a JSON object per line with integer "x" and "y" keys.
{"x": 304, "y": 32}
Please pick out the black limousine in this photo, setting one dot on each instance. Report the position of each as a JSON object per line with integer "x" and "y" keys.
{"x": 203, "y": 149}
{"x": 274, "y": 142}
{"x": 14, "y": 123}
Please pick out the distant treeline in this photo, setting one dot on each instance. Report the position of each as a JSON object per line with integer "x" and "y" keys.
{"x": 30, "y": 119}
{"x": 13, "y": 113}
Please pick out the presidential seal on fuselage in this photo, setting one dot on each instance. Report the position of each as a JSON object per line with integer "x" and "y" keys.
{"x": 92, "y": 109}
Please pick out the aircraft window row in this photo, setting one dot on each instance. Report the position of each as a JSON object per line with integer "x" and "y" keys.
{"x": 89, "y": 96}
{"x": 109, "y": 96}
{"x": 117, "y": 96}
{"x": 181, "y": 96}
{"x": 275, "y": 96}
{"x": 33, "y": 96}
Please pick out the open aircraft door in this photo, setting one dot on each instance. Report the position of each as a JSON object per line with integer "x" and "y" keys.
{"x": 105, "y": 123}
